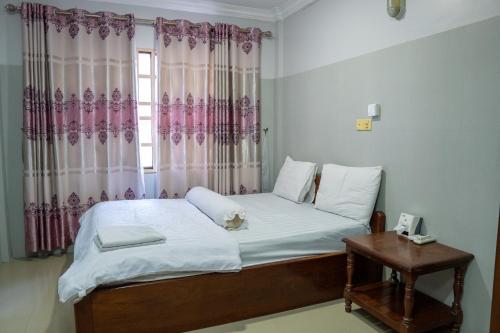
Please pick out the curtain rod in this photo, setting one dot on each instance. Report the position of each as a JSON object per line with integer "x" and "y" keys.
{"x": 13, "y": 9}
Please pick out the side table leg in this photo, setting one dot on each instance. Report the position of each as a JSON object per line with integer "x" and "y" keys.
{"x": 407, "y": 324}
{"x": 456, "y": 309}
{"x": 350, "y": 272}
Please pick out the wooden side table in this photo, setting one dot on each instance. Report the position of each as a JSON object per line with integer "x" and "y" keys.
{"x": 398, "y": 304}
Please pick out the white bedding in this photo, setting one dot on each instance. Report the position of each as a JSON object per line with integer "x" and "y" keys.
{"x": 194, "y": 244}
{"x": 279, "y": 229}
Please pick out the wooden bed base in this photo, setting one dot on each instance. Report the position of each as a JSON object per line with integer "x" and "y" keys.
{"x": 189, "y": 303}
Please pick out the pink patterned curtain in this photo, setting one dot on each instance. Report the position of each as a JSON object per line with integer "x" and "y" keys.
{"x": 80, "y": 121}
{"x": 209, "y": 110}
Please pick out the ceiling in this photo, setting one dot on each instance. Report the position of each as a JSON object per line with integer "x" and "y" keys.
{"x": 264, "y": 10}
{"x": 265, "y": 4}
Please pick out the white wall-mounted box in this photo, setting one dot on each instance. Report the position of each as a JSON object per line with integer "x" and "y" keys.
{"x": 373, "y": 110}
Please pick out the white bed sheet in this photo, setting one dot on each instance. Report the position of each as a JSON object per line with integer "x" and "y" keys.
{"x": 193, "y": 244}
{"x": 279, "y": 229}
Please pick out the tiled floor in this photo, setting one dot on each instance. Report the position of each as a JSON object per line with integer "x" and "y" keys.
{"x": 28, "y": 303}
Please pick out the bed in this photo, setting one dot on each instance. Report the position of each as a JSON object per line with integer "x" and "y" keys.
{"x": 286, "y": 265}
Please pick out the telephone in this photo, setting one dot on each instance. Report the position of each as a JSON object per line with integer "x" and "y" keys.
{"x": 408, "y": 225}
{"x": 422, "y": 239}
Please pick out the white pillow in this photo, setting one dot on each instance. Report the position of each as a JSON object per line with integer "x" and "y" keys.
{"x": 309, "y": 197}
{"x": 294, "y": 180}
{"x": 348, "y": 191}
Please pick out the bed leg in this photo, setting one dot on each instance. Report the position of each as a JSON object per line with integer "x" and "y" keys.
{"x": 84, "y": 319}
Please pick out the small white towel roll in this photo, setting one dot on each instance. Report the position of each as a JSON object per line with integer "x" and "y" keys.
{"x": 222, "y": 210}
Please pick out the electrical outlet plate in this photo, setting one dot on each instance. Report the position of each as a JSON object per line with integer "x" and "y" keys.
{"x": 364, "y": 124}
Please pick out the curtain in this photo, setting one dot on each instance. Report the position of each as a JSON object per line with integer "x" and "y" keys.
{"x": 80, "y": 120}
{"x": 208, "y": 117}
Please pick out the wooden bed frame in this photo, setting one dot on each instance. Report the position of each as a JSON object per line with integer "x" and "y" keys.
{"x": 194, "y": 302}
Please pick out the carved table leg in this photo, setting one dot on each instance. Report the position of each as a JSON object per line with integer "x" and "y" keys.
{"x": 407, "y": 324}
{"x": 348, "y": 286}
{"x": 458, "y": 288}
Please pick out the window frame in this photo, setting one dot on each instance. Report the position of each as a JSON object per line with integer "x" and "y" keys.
{"x": 152, "y": 118}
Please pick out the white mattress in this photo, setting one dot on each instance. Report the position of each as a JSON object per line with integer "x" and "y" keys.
{"x": 279, "y": 229}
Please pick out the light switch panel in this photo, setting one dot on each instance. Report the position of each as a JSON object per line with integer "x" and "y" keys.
{"x": 364, "y": 124}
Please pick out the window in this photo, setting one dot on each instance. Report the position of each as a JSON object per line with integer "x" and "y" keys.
{"x": 146, "y": 103}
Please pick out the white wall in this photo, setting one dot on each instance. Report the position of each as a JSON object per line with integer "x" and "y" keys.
{"x": 438, "y": 136}
{"x": 334, "y": 30}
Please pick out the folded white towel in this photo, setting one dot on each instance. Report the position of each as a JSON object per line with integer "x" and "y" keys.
{"x": 222, "y": 210}
{"x": 123, "y": 236}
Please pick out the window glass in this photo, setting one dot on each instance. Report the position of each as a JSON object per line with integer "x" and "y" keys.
{"x": 145, "y": 131}
{"x": 145, "y": 90}
{"x": 147, "y": 156}
{"x": 144, "y": 110}
{"x": 144, "y": 63}
{"x": 146, "y": 81}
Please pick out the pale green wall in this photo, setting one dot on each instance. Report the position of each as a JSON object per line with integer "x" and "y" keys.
{"x": 8, "y": 192}
{"x": 438, "y": 139}
{"x": 11, "y": 97}
{"x": 11, "y": 105}
{"x": 11, "y": 88}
